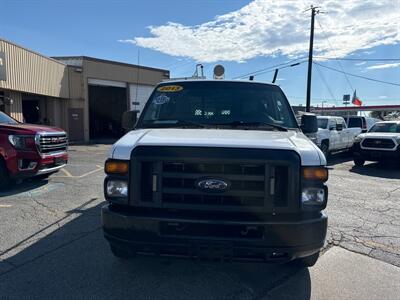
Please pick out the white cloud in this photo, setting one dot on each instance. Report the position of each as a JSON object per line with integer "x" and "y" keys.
{"x": 361, "y": 63}
{"x": 271, "y": 27}
{"x": 280, "y": 79}
{"x": 384, "y": 66}
{"x": 382, "y": 97}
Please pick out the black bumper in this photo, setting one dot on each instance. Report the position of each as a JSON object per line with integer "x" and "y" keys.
{"x": 233, "y": 239}
{"x": 375, "y": 155}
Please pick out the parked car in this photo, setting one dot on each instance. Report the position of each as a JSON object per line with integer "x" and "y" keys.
{"x": 334, "y": 136}
{"x": 365, "y": 123}
{"x": 217, "y": 168}
{"x": 29, "y": 150}
{"x": 381, "y": 142}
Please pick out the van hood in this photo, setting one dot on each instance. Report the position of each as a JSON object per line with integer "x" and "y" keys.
{"x": 291, "y": 140}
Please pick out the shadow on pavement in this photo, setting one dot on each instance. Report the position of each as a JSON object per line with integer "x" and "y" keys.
{"x": 23, "y": 187}
{"x": 74, "y": 261}
{"x": 339, "y": 158}
{"x": 379, "y": 169}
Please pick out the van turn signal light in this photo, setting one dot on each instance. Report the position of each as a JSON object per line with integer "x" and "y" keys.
{"x": 117, "y": 167}
{"x": 315, "y": 173}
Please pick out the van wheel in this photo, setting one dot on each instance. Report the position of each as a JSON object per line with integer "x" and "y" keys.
{"x": 325, "y": 149}
{"x": 307, "y": 261}
{"x": 359, "y": 162}
{"x": 4, "y": 177}
{"x": 122, "y": 254}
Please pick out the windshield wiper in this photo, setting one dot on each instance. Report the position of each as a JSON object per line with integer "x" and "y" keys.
{"x": 181, "y": 123}
{"x": 254, "y": 124}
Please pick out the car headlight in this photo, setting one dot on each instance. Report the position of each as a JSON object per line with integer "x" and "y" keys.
{"x": 116, "y": 188}
{"x": 357, "y": 139}
{"x": 21, "y": 142}
{"x": 314, "y": 197}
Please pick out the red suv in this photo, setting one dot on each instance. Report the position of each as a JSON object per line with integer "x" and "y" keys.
{"x": 28, "y": 150}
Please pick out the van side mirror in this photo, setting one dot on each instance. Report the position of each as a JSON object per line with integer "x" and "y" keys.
{"x": 129, "y": 119}
{"x": 339, "y": 127}
{"x": 309, "y": 123}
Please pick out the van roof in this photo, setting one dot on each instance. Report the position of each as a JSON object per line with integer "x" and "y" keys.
{"x": 215, "y": 80}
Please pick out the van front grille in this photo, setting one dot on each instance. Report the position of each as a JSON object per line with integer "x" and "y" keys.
{"x": 170, "y": 177}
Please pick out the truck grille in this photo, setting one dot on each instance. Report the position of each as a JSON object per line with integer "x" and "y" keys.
{"x": 378, "y": 143}
{"x": 52, "y": 142}
{"x": 262, "y": 180}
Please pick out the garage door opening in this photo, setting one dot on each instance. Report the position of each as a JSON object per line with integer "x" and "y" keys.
{"x": 32, "y": 109}
{"x": 106, "y": 106}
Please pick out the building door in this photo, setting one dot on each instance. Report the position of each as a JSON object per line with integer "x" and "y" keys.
{"x": 75, "y": 124}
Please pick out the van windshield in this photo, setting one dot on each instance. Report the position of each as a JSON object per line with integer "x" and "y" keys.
{"x": 4, "y": 119}
{"x": 217, "y": 103}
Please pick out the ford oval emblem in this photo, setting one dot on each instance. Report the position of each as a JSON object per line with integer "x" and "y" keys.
{"x": 212, "y": 185}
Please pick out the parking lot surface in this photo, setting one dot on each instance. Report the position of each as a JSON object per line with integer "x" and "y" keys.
{"x": 51, "y": 244}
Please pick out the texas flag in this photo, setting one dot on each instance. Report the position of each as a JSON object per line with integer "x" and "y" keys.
{"x": 356, "y": 101}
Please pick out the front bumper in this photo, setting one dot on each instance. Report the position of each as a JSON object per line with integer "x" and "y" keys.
{"x": 375, "y": 155}
{"x": 44, "y": 165}
{"x": 233, "y": 239}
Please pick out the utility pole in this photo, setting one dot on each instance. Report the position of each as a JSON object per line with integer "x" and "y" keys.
{"x": 314, "y": 11}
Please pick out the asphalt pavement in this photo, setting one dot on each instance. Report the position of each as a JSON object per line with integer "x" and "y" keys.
{"x": 51, "y": 244}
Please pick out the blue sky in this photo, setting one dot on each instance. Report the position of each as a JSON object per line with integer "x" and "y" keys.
{"x": 243, "y": 35}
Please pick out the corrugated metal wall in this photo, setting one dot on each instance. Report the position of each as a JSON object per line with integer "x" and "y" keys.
{"x": 15, "y": 110}
{"x": 33, "y": 73}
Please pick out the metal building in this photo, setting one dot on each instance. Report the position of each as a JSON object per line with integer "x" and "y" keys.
{"x": 83, "y": 95}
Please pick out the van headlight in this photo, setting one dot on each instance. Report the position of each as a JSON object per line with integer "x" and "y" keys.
{"x": 314, "y": 197}
{"x": 117, "y": 188}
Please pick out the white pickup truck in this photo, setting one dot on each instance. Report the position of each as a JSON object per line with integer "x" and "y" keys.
{"x": 216, "y": 169}
{"x": 380, "y": 143}
{"x": 334, "y": 136}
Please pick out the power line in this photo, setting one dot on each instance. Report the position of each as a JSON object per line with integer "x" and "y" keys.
{"x": 325, "y": 82}
{"x": 358, "y": 76}
{"x": 333, "y": 50}
{"x": 358, "y": 59}
{"x": 284, "y": 67}
{"x": 336, "y": 100}
{"x": 261, "y": 71}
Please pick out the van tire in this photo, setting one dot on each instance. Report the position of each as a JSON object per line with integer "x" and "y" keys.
{"x": 121, "y": 254}
{"x": 4, "y": 176}
{"x": 359, "y": 162}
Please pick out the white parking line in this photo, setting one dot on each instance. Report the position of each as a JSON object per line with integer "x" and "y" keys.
{"x": 69, "y": 175}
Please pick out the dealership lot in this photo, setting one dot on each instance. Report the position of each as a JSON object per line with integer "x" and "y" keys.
{"x": 51, "y": 244}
